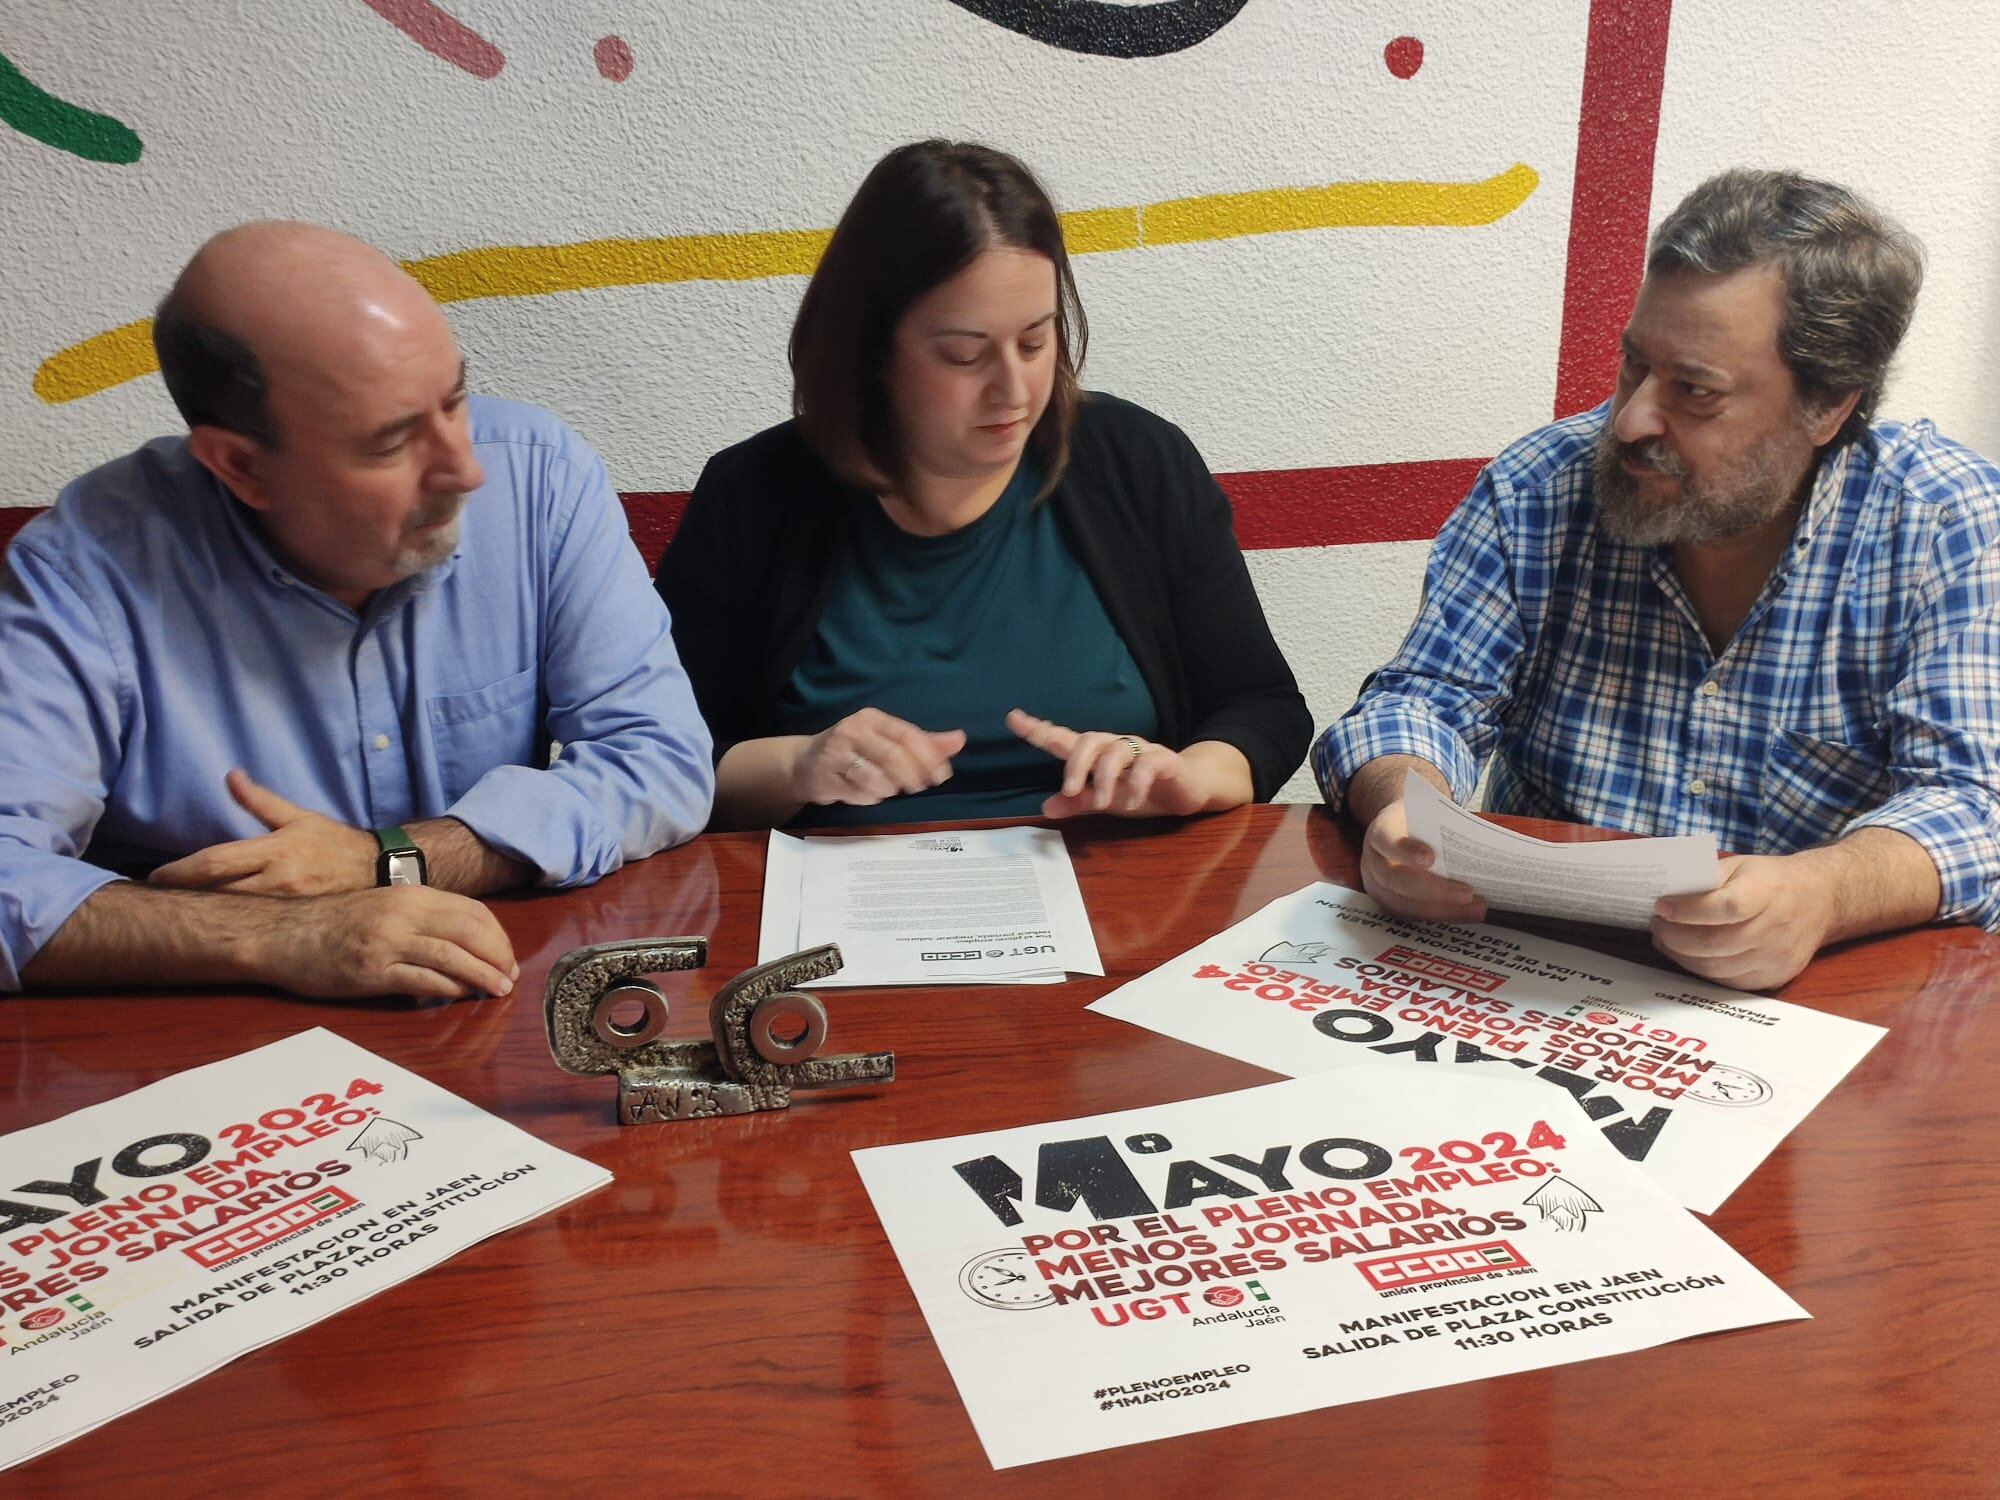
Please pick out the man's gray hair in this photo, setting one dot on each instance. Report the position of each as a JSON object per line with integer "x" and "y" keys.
{"x": 1851, "y": 274}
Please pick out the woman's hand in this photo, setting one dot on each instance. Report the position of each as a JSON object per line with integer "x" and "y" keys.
{"x": 869, "y": 757}
{"x": 1114, "y": 773}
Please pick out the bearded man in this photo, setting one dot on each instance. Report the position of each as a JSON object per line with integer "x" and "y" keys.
{"x": 1722, "y": 602}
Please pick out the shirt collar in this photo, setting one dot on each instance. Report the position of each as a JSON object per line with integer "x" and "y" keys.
{"x": 1823, "y": 502}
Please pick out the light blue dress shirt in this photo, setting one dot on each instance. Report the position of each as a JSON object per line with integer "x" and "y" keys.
{"x": 149, "y": 641}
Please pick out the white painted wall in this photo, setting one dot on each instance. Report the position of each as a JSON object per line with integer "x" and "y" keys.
{"x": 1326, "y": 347}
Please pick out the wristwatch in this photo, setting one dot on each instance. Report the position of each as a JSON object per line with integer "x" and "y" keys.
{"x": 402, "y": 862}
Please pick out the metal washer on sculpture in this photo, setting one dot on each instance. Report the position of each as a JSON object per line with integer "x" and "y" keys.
{"x": 752, "y": 1062}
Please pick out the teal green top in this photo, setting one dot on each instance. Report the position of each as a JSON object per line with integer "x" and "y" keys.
{"x": 949, "y": 632}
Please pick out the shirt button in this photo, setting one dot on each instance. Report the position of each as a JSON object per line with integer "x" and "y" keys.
{"x": 1697, "y": 787}
{"x": 381, "y": 742}
{"x": 1710, "y": 688}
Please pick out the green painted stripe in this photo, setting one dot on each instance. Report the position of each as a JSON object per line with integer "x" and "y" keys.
{"x": 68, "y": 127}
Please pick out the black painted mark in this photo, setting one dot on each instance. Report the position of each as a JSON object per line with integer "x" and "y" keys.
{"x": 1108, "y": 30}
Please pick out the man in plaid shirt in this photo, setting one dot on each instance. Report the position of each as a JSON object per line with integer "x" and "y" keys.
{"x": 1721, "y": 602}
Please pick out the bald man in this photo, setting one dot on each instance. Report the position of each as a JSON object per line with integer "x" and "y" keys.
{"x": 277, "y": 697}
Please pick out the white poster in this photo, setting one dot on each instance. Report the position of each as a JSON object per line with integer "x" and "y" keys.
{"x": 301, "y": 1177}
{"x": 960, "y": 906}
{"x": 1696, "y": 1082}
{"x": 1306, "y": 1244}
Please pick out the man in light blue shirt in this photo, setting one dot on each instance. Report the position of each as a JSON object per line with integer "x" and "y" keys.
{"x": 316, "y": 651}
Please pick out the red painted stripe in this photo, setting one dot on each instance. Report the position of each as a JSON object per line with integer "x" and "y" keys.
{"x": 13, "y": 518}
{"x": 442, "y": 35}
{"x": 655, "y": 515}
{"x": 1624, "y": 71}
{"x": 1360, "y": 503}
{"x": 1274, "y": 507}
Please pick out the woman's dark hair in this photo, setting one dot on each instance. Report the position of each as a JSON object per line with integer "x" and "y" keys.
{"x": 924, "y": 213}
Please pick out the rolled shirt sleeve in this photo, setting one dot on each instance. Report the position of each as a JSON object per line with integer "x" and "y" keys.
{"x": 1441, "y": 696}
{"x": 60, "y": 697}
{"x": 1944, "y": 727}
{"x": 635, "y": 773}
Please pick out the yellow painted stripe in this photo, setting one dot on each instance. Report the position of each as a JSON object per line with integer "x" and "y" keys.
{"x": 125, "y": 353}
{"x": 98, "y": 363}
{"x": 1092, "y": 231}
{"x": 1343, "y": 205}
{"x": 539, "y": 270}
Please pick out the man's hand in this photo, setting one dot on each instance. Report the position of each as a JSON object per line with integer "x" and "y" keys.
{"x": 304, "y": 854}
{"x": 869, "y": 757}
{"x": 395, "y": 940}
{"x": 1757, "y": 929}
{"x": 1112, "y": 773}
{"x": 1396, "y": 871}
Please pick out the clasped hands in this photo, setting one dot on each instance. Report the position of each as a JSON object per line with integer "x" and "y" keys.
{"x": 346, "y": 936}
{"x": 1755, "y": 931}
{"x": 870, "y": 756}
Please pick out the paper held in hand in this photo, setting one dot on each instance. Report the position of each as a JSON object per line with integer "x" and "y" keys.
{"x": 1158, "y": 1271}
{"x": 1614, "y": 882}
{"x": 1696, "y": 1082}
{"x": 962, "y": 906}
{"x": 168, "y": 1232}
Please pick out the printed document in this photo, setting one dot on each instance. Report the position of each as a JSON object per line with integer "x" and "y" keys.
{"x": 1696, "y": 1083}
{"x": 160, "y": 1235}
{"x": 1189, "y": 1266}
{"x": 1614, "y": 882}
{"x": 972, "y": 906}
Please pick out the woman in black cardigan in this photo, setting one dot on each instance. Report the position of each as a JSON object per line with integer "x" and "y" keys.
{"x": 956, "y": 585}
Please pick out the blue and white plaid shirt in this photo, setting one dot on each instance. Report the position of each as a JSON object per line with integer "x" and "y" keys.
{"x": 1862, "y": 690}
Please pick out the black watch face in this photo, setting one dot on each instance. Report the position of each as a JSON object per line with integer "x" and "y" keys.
{"x": 1004, "y": 1279}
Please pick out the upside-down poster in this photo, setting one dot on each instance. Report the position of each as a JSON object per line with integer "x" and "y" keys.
{"x": 1695, "y": 1082}
{"x": 154, "y": 1237}
{"x": 1138, "y": 1275}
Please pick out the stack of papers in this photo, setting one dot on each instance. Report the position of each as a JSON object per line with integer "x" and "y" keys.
{"x": 984, "y": 906}
{"x": 1614, "y": 882}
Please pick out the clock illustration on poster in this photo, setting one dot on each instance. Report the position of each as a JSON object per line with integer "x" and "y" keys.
{"x": 1004, "y": 1279}
{"x": 1722, "y": 1084}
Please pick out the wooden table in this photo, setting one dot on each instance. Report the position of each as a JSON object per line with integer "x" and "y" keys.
{"x": 727, "y": 1319}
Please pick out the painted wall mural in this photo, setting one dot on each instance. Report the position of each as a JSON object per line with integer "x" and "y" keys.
{"x": 41, "y": 116}
{"x": 442, "y": 35}
{"x": 1111, "y": 30}
{"x": 126, "y": 352}
{"x": 1354, "y": 248}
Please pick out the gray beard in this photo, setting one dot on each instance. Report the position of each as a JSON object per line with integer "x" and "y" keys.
{"x": 416, "y": 557}
{"x": 1756, "y": 492}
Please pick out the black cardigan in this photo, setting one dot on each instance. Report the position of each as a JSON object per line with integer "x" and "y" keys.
{"x": 747, "y": 576}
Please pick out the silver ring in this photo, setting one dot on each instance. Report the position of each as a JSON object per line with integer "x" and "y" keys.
{"x": 1133, "y": 743}
{"x": 847, "y": 774}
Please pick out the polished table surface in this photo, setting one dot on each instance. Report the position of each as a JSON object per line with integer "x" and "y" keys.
{"x": 726, "y": 1318}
